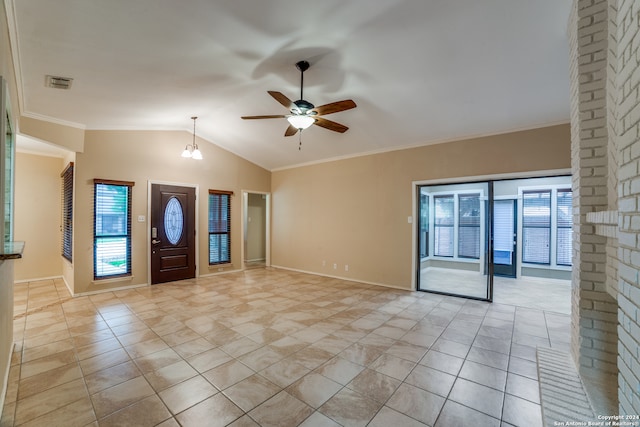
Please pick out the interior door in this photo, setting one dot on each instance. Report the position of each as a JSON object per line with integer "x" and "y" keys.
{"x": 504, "y": 238}
{"x": 172, "y": 233}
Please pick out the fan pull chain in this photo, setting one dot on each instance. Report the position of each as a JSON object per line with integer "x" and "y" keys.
{"x": 300, "y": 140}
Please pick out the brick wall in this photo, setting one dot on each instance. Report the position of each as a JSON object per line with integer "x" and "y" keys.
{"x": 594, "y": 310}
{"x": 628, "y": 145}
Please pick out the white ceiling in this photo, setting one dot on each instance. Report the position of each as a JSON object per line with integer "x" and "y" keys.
{"x": 421, "y": 71}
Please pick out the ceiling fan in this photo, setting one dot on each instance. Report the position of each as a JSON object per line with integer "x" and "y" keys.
{"x": 303, "y": 113}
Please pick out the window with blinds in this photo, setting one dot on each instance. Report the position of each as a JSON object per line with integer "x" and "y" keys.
{"x": 469, "y": 226}
{"x": 67, "y": 212}
{"x": 536, "y": 226}
{"x": 443, "y": 226}
{"x": 219, "y": 227}
{"x": 564, "y": 223}
{"x": 112, "y": 229}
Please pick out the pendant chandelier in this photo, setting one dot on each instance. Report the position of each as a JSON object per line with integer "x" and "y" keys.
{"x": 191, "y": 150}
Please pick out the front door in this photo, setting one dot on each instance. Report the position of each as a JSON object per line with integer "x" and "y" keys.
{"x": 504, "y": 238}
{"x": 172, "y": 233}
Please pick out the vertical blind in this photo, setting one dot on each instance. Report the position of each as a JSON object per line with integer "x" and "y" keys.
{"x": 219, "y": 227}
{"x": 67, "y": 212}
{"x": 564, "y": 223}
{"x": 503, "y": 237}
{"x": 112, "y": 228}
{"x": 536, "y": 226}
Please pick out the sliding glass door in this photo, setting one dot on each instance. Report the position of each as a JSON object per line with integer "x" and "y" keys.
{"x": 453, "y": 239}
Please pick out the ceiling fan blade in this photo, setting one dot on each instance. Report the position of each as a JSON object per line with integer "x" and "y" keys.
{"x": 291, "y": 131}
{"x": 331, "y": 125}
{"x": 335, "y": 107}
{"x": 263, "y": 117}
{"x": 282, "y": 99}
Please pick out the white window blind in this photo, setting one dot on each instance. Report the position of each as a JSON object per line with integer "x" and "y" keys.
{"x": 112, "y": 229}
{"x": 469, "y": 226}
{"x": 503, "y": 232}
{"x": 536, "y": 226}
{"x": 564, "y": 231}
{"x": 443, "y": 227}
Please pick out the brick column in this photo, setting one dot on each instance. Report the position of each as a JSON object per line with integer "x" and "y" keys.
{"x": 594, "y": 311}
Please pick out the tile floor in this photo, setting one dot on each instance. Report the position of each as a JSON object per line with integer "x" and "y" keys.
{"x": 273, "y": 348}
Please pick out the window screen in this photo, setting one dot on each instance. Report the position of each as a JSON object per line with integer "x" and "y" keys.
{"x": 536, "y": 226}
{"x": 219, "y": 227}
{"x": 443, "y": 227}
{"x": 564, "y": 232}
{"x": 469, "y": 226}
{"x": 67, "y": 212}
{"x": 112, "y": 229}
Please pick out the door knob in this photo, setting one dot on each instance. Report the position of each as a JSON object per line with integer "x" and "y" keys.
{"x": 155, "y": 241}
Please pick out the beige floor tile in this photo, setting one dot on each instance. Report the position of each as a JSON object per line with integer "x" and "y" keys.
{"x": 187, "y": 393}
{"x": 374, "y": 385}
{"x": 120, "y": 396}
{"x": 149, "y": 412}
{"x": 49, "y": 400}
{"x": 114, "y": 375}
{"x": 251, "y": 392}
{"x": 416, "y": 403}
{"x": 348, "y": 407}
{"x": 216, "y": 411}
{"x": 48, "y": 379}
{"x": 169, "y": 375}
{"x": 282, "y": 410}
{"x": 288, "y": 348}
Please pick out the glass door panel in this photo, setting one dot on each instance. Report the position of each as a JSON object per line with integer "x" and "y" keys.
{"x": 504, "y": 238}
{"x": 453, "y": 240}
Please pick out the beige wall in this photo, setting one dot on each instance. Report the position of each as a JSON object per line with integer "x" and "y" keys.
{"x": 140, "y": 156}
{"x": 37, "y": 215}
{"x": 6, "y": 267}
{"x": 354, "y": 212}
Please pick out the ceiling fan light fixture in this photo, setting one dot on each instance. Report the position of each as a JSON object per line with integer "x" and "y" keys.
{"x": 301, "y": 122}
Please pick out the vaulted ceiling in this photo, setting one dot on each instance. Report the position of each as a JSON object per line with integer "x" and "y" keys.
{"x": 420, "y": 71}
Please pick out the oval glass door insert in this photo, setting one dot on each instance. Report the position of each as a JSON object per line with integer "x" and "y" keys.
{"x": 173, "y": 220}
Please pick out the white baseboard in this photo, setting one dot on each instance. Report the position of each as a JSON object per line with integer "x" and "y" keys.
{"x": 3, "y": 394}
{"x": 349, "y": 279}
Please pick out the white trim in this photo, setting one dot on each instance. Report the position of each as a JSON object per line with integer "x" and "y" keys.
{"x": 243, "y": 213}
{"x": 218, "y": 273}
{"x": 3, "y": 392}
{"x": 346, "y": 279}
{"x": 37, "y": 279}
{"x": 102, "y": 291}
{"x": 148, "y": 222}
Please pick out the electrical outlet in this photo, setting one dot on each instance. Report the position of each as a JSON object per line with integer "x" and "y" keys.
{"x": 335, "y": 266}
{"x": 346, "y": 267}
{"x": 324, "y": 263}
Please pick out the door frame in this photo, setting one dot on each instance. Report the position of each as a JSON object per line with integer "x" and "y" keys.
{"x": 412, "y": 220}
{"x": 147, "y": 222}
{"x": 244, "y": 207}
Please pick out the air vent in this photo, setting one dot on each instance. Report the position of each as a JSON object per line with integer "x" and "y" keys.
{"x": 57, "y": 82}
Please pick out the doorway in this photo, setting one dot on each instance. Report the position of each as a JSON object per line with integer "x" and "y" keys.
{"x": 518, "y": 230}
{"x": 172, "y": 232}
{"x": 255, "y": 230}
{"x": 453, "y": 248}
